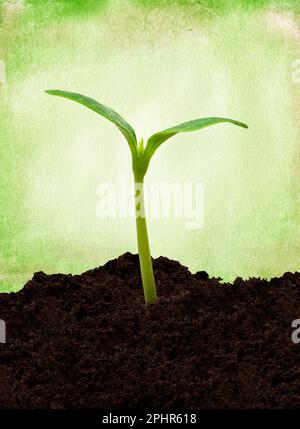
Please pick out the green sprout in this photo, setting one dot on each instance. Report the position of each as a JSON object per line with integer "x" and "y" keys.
{"x": 141, "y": 156}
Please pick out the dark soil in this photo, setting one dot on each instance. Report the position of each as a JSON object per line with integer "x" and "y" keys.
{"x": 88, "y": 341}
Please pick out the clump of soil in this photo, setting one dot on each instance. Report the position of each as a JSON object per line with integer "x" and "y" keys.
{"x": 88, "y": 341}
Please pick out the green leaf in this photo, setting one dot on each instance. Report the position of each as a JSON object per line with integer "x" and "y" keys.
{"x": 158, "y": 138}
{"x": 106, "y": 112}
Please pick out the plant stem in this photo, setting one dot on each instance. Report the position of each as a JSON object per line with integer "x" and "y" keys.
{"x": 143, "y": 243}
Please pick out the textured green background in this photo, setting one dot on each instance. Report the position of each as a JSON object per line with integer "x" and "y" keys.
{"x": 157, "y": 63}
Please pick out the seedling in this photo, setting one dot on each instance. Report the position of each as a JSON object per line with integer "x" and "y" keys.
{"x": 141, "y": 156}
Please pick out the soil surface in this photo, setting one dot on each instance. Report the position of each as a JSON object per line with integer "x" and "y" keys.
{"x": 88, "y": 341}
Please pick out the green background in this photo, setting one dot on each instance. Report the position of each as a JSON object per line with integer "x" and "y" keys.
{"x": 157, "y": 63}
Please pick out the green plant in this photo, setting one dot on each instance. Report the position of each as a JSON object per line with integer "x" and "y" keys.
{"x": 141, "y": 156}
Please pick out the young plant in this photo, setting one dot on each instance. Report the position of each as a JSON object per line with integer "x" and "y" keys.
{"x": 141, "y": 156}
